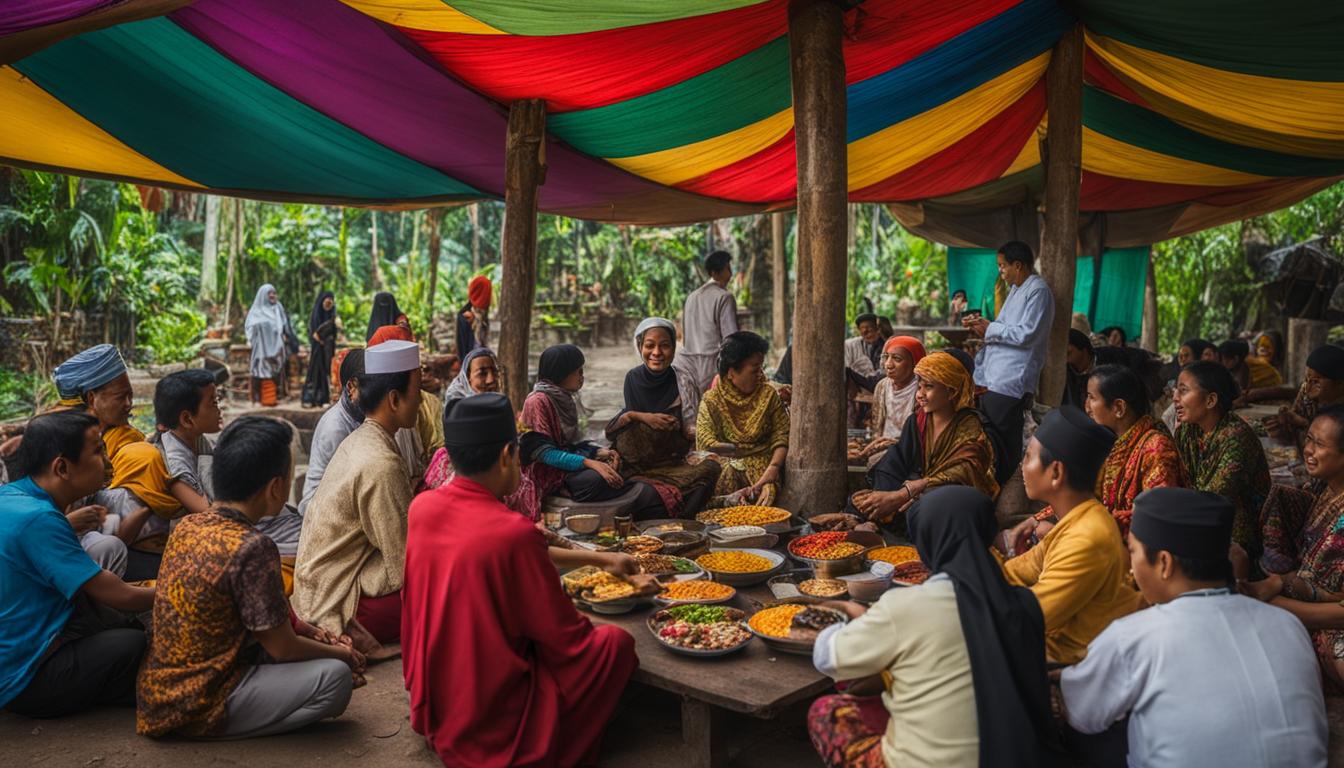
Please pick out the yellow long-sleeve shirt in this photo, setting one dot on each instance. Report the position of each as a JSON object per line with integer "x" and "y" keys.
{"x": 1078, "y": 572}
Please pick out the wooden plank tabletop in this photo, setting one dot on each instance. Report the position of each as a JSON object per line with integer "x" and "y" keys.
{"x": 756, "y": 681}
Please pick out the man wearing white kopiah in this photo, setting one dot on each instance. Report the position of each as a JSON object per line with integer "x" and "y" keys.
{"x": 348, "y": 574}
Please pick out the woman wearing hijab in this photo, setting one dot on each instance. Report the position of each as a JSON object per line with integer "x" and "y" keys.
{"x": 943, "y": 443}
{"x": 322, "y": 332}
{"x": 656, "y": 429}
{"x": 894, "y": 395}
{"x": 743, "y": 419}
{"x": 554, "y": 453}
{"x": 473, "y": 321}
{"x": 961, "y": 657}
{"x": 268, "y": 332}
{"x": 479, "y": 374}
{"x": 385, "y": 312}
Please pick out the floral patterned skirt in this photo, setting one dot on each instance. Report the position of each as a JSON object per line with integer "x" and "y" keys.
{"x": 842, "y": 735}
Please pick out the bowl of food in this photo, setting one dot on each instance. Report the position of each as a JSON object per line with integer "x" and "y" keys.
{"x": 668, "y": 566}
{"x": 748, "y": 514}
{"x": 579, "y": 579}
{"x": 828, "y": 589}
{"x": 668, "y": 525}
{"x": 750, "y": 536}
{"x": 792, "y": 627}
{"x": 683, "y": 543}
{"x": 642, "y": 545}
{"x": 700, "y": 630}
{"x": 605, "y": 593}
{"x": 583, "y": 524}
{"x": 802, "y": 584}
{"x": 868, "y": 586}
{"x": 834, "y": 553}
{"x": 741, "y": 567}
{"x": 694, "y": 591}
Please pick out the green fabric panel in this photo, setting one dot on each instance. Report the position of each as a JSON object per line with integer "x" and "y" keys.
{"x": 747, "y": 89}
{"x": 564, "y": 17}
{"x": 180, "y": 103}
{"x": 1144, "y": 128}
{"x": 1293, "y": 39}
{"x": 1124, "y": 271}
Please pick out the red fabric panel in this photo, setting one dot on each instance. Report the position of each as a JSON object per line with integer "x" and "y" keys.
{"x": 1109, "y": 193}
{"x": 594, "y": 69}
{"x": 1097, "y": 73}
{"x": 980, "y": 157}
{"x": 884, "y": 34}
{"x": 767, "y": 176}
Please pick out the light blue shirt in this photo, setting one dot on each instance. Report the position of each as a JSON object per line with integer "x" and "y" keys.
{"x": 1014, "y": 352}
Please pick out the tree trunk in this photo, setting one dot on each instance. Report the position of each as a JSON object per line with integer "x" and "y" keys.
{"x": 416, "y": 221}
{"x": 524, "y": 171}
{"x": 1150, "y": 340}
{"x": 435, "y": 246}
{"x": 1063, "y": 177}
{"x": 233, "y": 257}
{"x": 779, "y": 274}
{"x": 210, "y": 251}
{"x": 816, "y": 479}
{"x": 375, "y": 274}
{"x": 474, "y": 214}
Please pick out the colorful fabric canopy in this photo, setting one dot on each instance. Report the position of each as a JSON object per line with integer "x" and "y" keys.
{"x": 681, "y": 110}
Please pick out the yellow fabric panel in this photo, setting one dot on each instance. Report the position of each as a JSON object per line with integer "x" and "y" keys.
{"x": 678, "y": 164}
{"x": 1103, "y": 154}
{"x": 41, "y": 130}
{"x": 897, "y": 147}
{"x": 1029, "y": 156}
{"x": 1293, "y": 116}
{"x": 430, "y": 15}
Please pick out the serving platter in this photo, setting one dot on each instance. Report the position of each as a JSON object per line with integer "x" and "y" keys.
{"x": 747, "y": 579}
{"x": 660, "y": 619}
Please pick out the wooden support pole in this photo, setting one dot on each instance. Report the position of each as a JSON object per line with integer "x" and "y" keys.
{"x": 815, "y": 481}
{"x": 1149, "y": 336}
{"x": 524, "y": 171}
{"x": 1063, "y": 177}
{"x": 779, "y": 276}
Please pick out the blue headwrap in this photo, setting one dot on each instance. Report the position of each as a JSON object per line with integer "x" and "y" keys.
{"x": 87, "y": 371}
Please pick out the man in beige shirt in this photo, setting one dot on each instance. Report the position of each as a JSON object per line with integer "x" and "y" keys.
{"x": 352, "y": 552}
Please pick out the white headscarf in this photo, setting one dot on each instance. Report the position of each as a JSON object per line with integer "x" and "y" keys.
{"x": 655, "y": 322}
{"x": 461, "y": 386}
{"x": 265, "y": 326}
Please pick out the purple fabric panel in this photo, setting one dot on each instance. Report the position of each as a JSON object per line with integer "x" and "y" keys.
{"x": 347, "y": 66}
{"x": 19, "y": 15}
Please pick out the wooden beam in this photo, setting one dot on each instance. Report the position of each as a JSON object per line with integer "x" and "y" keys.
{"x": 1063, "y": 177}
{"x": 779, "y": 276}
{"x": 815, "y": 481}
{"x": 524, "y": 171}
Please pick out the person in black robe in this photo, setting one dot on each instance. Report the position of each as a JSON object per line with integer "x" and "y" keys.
{"x": 322, "y": 333}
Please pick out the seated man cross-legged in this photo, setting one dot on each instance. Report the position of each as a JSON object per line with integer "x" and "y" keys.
{"x": 501, "y": 669}
{"x": 60, "y": 650}
{"x": 221, "y": 603}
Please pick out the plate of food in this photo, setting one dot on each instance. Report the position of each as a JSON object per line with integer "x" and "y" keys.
{"x": 751, "y": 536}
{"x": 694, "y": 591}
{"x": 741, "y": 567}
{"x": 683, "y": 543}
{"x": 641, "y": 545}
{"x": 793, "y": 627}
{"x": 668, "y": 525}
{"x": 669, "y": 566}
{"x": 748, "y": 514}
{"x": 834, "y": 553}
{"x": 803, "y": 583}
{"x": 605, "y": 593}
{"x": 894, "y": 554}
{"x": 700, "y": 630}
{"x": 911, "y": 573}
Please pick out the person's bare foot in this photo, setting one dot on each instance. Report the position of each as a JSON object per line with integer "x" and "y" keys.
{"x": 367, "y": 644}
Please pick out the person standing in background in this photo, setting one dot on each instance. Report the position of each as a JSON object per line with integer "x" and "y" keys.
{"x": 322, "y": 334}
{"x": 709, "y": 318}
{"x": 270, "y": 335}
{"x": 473, "y": 321}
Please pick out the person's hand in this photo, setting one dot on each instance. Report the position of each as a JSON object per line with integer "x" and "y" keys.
{"x": 620, "y": 564}
{"x": 785, "y": 393}
{"x": 614, "y": 459}
{"x": 976, "y": 324}
{"x": 645, "y": 583}
{"x": 87, "y": 519}
{"x": 1241, "y": 562}
{"x": 1264, "y": 590}
{"x": 607, "y": 472}
{"x": 1019, "y": 536}
{"x": 663, "y": 421}
{"x": 848, "y": 607}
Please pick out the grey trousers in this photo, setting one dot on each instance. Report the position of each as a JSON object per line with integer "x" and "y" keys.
{"x": 108, "y": 552}
{"x": 278, "y": 698}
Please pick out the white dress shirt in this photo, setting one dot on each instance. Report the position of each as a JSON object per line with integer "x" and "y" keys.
{"x": 1010, "y": 362}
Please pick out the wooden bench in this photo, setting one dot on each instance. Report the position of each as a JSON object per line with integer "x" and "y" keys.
{"x": 757, "y": 681}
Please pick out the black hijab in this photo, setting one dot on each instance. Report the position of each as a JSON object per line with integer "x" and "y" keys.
{"x": 559, "y": 361}
{"x": 385, "y": 312}
{"x": 952, "y": 527}
{"x": 651, "y": 391}
{"x": 319, "y": 316}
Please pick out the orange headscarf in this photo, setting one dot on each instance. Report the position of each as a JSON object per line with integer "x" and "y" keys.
{"x": 479, "y": 291}
{"x": 908, "y": 343}
{"x": 388, "y": 333}
{"x": 140, "y": 469}
{"x": 948, "y": 371}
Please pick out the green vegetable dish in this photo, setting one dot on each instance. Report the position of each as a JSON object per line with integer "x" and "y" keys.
{"x": 699, "y": 614}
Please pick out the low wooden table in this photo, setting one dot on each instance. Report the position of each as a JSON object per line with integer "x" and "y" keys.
{"x": 757, "y": 681}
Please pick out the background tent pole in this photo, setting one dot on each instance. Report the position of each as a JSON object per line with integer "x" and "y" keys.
{"x": 816, "y": 477}
{"x": 1063, "y": 177}
{"x": 524, "y": 171}
{"x": 779, "y": 275}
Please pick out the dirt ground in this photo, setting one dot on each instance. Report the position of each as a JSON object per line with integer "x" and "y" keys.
{"x": 375, "y": 731}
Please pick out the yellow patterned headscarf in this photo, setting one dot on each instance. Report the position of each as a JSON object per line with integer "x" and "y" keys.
{"x": 948, "y": 371}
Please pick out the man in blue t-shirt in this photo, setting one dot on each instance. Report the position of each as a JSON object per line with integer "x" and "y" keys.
{"x": 57, "y": 654}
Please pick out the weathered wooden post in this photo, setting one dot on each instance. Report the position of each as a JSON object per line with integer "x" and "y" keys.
{"x": 1150, "y": 337}
{"x": 779, "y": 276}
{"x": 816, "y": 480}
{"x": 1063, "y": 177}
{"x": 524, "y": 171}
